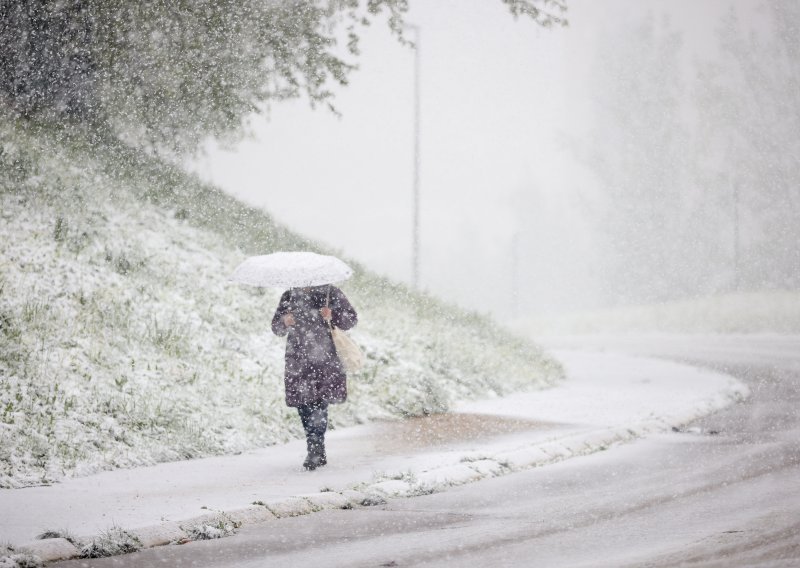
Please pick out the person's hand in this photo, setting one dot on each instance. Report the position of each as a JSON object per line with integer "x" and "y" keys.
{"x": 326, "y": 313}
{"x": 288, "y": 320}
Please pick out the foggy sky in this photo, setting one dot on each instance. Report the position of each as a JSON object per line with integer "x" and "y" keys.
{"x": 502, "y": 104}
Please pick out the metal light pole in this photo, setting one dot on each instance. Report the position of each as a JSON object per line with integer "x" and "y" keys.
{"x": 415, "y": 205}
{"x": 515, "y": 273}
{"x": 736, "y": 238}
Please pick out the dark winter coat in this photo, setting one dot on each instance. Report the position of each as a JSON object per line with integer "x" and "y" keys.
{"x": 313, "y": 370}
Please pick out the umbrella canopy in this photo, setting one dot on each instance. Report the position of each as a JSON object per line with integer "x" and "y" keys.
{"x": 291, "y": 270}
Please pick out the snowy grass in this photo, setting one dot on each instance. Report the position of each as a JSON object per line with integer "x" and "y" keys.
{"x": 113, "y": 542}
{"x": 21, "y": 560}
{"x": 220, "y": 526}
{"x": 60, "y": 533}
{"x": 122, "y": 344}
{"x": 769, "y": 311}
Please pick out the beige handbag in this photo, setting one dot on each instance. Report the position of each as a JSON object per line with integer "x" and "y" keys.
{"x": 349, "y": 352}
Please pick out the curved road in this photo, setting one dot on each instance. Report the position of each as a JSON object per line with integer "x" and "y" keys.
{"x": 725, "y": 492}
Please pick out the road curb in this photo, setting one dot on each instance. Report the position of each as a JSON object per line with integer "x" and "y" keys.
{"x": 179, "y": 532}
{"x": 551, "y": 451}
{"x": 50, "y": 549}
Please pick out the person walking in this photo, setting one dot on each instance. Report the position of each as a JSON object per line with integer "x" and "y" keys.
{"x": 314, "y": 376}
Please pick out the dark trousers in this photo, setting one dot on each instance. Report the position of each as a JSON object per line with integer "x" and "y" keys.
{"x": 315, "y": 422}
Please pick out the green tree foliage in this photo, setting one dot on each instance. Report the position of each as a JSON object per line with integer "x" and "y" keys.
{"x": 167, "y": 73}
{"x": 547, "y": 13}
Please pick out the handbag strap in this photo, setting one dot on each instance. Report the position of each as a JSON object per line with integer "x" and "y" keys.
{"x": 327, "y": 302}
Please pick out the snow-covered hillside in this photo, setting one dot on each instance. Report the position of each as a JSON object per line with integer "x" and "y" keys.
{"x": 122, "y": 344}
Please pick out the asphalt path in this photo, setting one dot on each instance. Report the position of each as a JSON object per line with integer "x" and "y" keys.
{"x": 725, "y": 491}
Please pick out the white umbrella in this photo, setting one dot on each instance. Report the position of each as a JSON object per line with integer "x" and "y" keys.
{"x": 291, "y": 270}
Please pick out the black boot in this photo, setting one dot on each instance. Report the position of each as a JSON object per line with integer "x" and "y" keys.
{"x": 315, "y": 421}
{"x": 316, "y": 453}
{"x": 309, "y": 462}
{"x": 321, "y": 456}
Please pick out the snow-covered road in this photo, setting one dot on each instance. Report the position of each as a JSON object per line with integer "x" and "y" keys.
{"x": 724, "y": 493}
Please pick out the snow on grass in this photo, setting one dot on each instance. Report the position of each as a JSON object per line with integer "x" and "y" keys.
{"x": 113, "y": 542}
{"x": 21, "y": 560}
{"x": 218, "y": 526}
{"x": 122, "y": 344}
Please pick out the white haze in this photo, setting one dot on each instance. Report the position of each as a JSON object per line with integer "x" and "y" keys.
{"x": 510, "y": 113}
